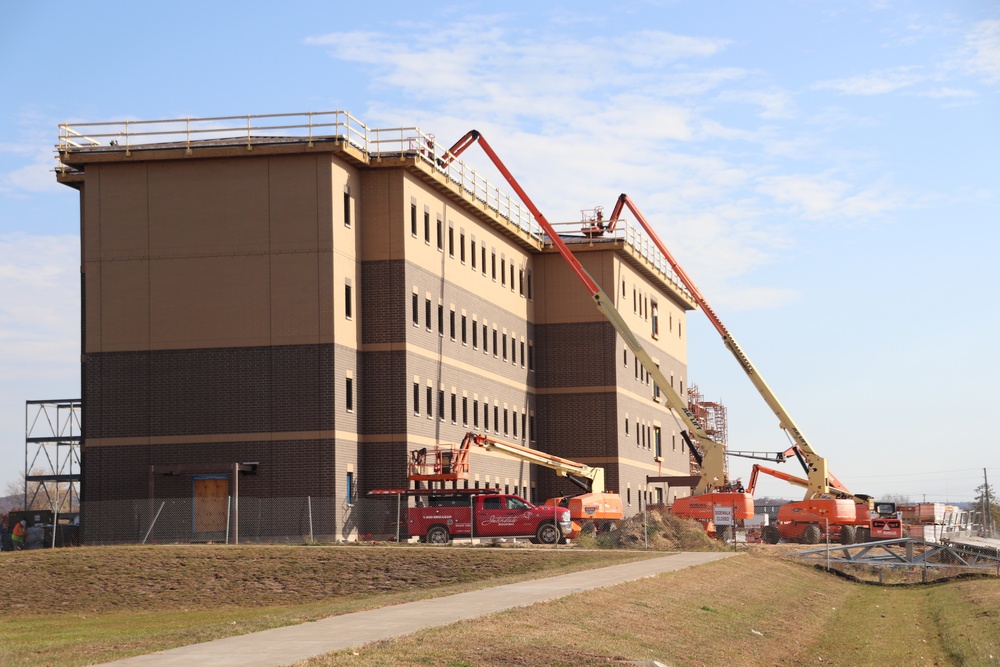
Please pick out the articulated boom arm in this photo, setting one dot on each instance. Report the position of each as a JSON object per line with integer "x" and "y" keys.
{"x": 821, "y": 482}
{"x": 714, "y": 459}
{"x": 588, "y": 478}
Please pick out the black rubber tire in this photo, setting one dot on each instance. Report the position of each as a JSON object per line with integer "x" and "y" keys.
{"x": 848, "y": 534}
{"x": 548, "y": 533}
{"x": 811, "y": 534}
{"x": 438, "y": 535}
{"x": 770, "y": 535}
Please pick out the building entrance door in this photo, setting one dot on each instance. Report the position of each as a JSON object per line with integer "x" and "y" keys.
{"x": 211, "y": 496}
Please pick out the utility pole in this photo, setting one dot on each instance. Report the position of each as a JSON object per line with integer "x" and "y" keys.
{"x": 987, "y": 507}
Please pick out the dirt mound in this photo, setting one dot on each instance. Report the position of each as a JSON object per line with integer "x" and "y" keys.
{"x": 662, "y": 530}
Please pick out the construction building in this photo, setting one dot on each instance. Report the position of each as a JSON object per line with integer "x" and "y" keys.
{"x": 286, "y": 306}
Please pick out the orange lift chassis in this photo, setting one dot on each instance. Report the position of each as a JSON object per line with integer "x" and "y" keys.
{"x": 714, "y": 479}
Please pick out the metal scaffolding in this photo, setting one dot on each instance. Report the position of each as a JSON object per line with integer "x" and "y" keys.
{"x": 52, "y": 435}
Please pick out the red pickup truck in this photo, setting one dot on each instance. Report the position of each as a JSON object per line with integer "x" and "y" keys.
{"x": 438, "y": 518}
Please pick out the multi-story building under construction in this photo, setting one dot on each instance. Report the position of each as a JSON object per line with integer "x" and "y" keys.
{"x": 292, "y": 304}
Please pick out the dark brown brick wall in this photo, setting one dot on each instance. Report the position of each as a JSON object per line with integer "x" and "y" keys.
{"x": 224, "y": 390}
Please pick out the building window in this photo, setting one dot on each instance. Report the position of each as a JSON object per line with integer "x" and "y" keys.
{"x": 463, "y": 330}
{"x": 461, "y": 246}
{"x": 348, "y": 301}
{"x": 348, "y": 209}
{"x": 416, "y": 309}
{"x": 440, "y": 233}
{"x": 451, "y": 241}
{"x": 413, "y": 220}
{"x": 427, "y": 226}
{"x": 349, "y": 393}
{"x": 416, "y": 398}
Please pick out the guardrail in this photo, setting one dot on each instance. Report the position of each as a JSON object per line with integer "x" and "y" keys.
{"x": 311, "y": 126}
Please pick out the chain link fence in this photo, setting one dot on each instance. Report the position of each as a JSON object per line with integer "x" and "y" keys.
{"x": 382, "y": 519}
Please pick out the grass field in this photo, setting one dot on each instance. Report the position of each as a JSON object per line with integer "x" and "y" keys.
{"x": 748, "y": 611}
{"x": 90, "y": 605}
{"x": 83, "y": 606}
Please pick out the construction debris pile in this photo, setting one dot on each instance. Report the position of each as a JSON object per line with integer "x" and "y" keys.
{"x": 660, "y": 530}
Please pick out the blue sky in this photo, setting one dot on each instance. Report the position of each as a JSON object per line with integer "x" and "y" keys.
{"x": 827, "y": 173}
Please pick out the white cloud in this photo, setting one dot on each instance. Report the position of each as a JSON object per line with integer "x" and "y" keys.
{"x": 982, "y": 50}
{"x": 878, "y": 82}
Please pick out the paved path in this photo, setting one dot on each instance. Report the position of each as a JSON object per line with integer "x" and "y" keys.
{"x": 285, "y": 646}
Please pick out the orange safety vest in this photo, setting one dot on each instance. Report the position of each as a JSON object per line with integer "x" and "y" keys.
{"x": 19, "y": 532}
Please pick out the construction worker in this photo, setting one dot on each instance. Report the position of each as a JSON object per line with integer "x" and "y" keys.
{"x": 19, "y": 533}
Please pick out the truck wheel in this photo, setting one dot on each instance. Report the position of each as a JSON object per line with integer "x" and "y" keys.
{"x": 547, "y": 533}
{"x": 770, "y": 535}
{"x": 811, "y": 534}
{"x": 438, "y": 535}
{"x": 848, "y": 534}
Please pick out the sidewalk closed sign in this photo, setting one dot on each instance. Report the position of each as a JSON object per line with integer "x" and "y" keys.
{"x": 723, "y": 516}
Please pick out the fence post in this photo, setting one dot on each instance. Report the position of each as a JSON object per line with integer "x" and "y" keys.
{"x": 153, "y": 523}
{"x": 310, "y": 502}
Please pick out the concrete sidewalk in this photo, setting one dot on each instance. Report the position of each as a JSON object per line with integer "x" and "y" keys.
{"x": 285, "y": 646}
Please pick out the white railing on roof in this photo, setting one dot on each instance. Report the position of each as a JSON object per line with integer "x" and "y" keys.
{"x": 376, "y": 143}
{"x": 259, "y": 129}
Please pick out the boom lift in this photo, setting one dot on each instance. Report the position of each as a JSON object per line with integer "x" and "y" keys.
{"x": 712, "y": 488}
{"x": 821, "y": 484}
{"x": 591, "y": 510}
{"x": 811, "y": 520}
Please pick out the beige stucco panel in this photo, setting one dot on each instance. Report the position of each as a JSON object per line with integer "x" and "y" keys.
{"x": 210, "y": 302}
{"x": 124, "y": 218}
{"x": 295, "y": 311}
{"x": 293, "y": 199}
{"x": 92, "y": 313}
{"x": 197, "y": 207}
{"x": 124, "y": 307}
